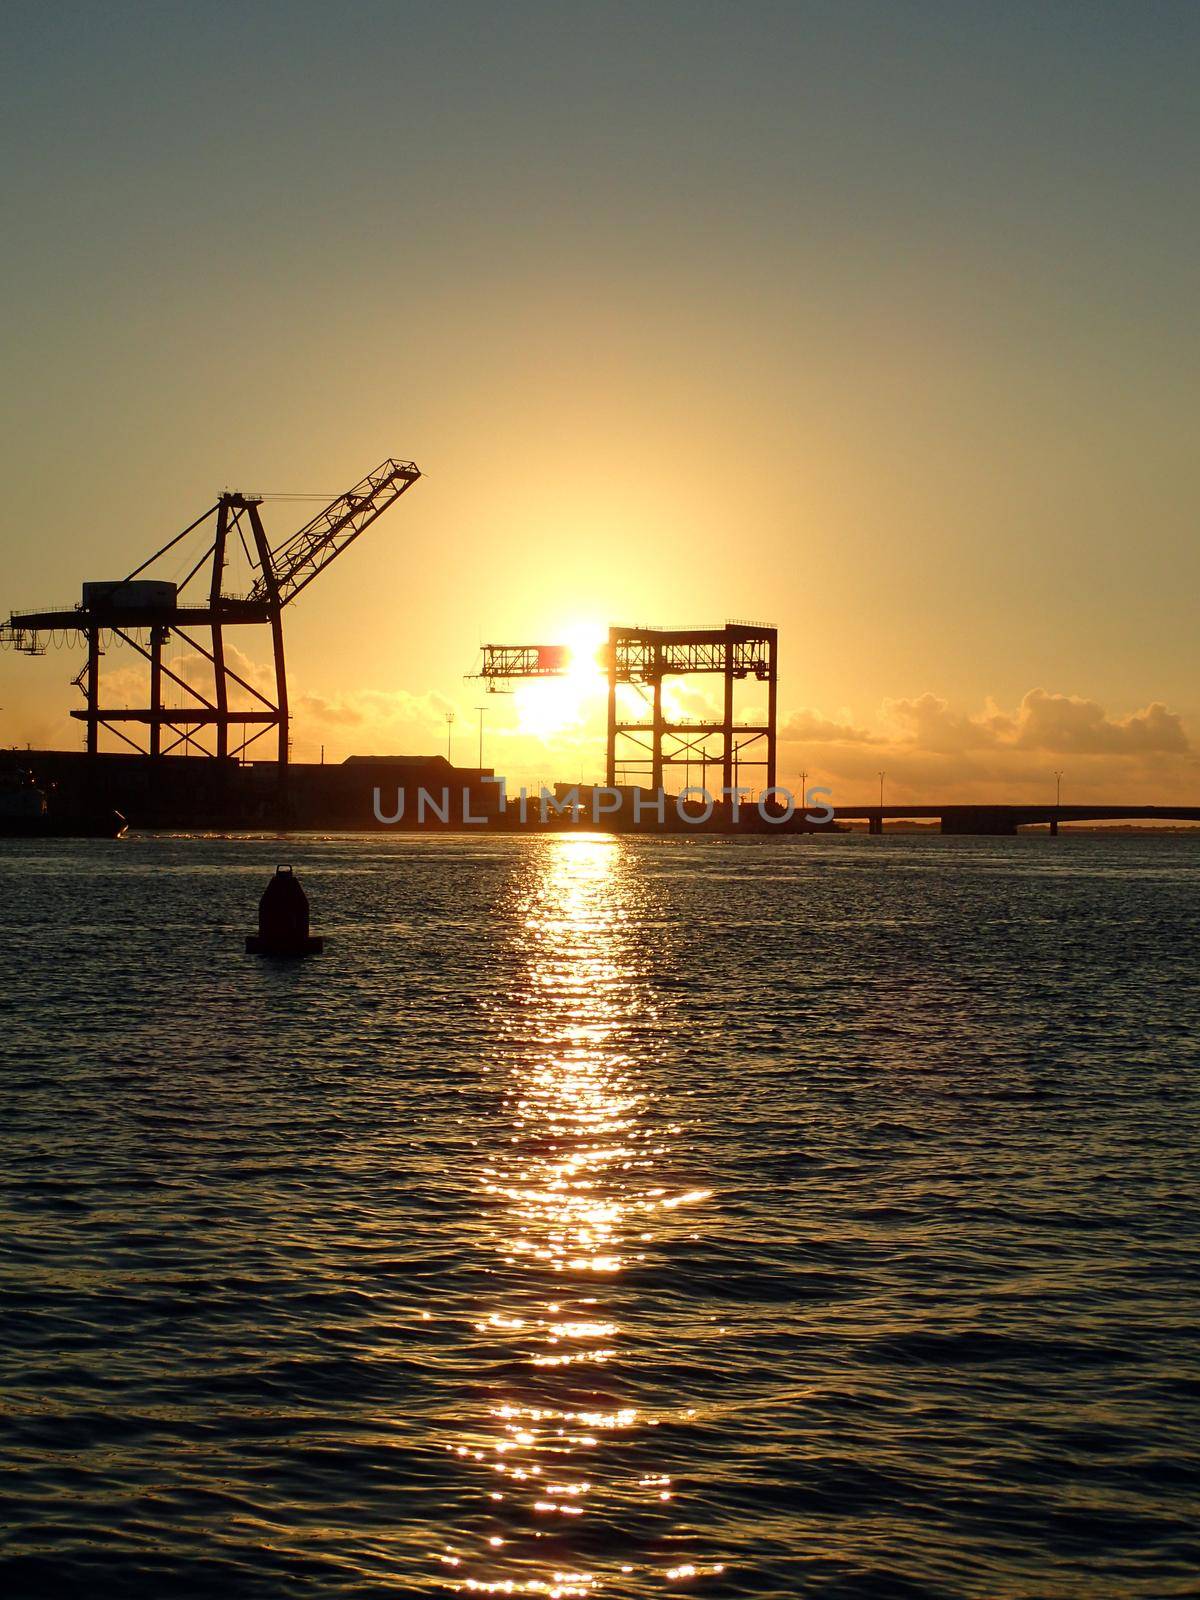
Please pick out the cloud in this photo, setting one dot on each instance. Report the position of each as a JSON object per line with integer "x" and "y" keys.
{"x": 930, "y": 724}
{"x": 378, "y": 708}
{"x": 688, "y": 701}
{"x": 125, "y": 677}
{"x": 1068, "y": 725}
{"x": 810, "y": 727}
{"x": 330, "y": 711}
{"x": 1060, "y": 724}
{"x": 929, "y": 748}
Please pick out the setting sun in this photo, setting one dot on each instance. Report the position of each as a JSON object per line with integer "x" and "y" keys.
{"x": 585, "y": 642}
{"x": 547, "y": 707}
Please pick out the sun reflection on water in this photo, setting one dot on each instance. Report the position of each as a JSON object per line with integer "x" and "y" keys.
{"x": 567, "y": 1500}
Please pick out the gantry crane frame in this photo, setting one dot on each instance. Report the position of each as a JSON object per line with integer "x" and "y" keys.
{"x": 644, "y": 657}
{"x": 282, "y": 572}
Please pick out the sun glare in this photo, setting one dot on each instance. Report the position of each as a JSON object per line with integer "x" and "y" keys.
{"x": 547, "y": 707}
{"x": 584, "y": 641}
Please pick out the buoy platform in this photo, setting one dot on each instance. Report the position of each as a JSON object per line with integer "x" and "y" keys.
{"x": 283, "y": 920}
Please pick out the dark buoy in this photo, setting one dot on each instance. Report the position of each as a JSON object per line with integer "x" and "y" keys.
{"x": 283, "y": 920}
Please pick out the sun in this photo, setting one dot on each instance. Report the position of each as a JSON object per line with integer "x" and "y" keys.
{"x": 548, "y": 707}
{"x": 584, "y": 642}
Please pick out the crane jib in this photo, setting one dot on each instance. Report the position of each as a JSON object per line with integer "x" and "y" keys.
{"x": 298, "y": 559}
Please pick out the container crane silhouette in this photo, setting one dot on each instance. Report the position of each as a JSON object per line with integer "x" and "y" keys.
{"x": 643, "y": 657}
{"x": 146, "y": 614}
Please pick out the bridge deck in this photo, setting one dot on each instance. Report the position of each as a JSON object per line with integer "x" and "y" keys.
{"x": 1006, "y": 819}
{"x": 1025, "y": 813}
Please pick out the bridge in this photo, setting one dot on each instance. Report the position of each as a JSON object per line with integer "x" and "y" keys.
{"x": 999, "y": 819}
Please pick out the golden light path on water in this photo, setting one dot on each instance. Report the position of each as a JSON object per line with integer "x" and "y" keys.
{"x": 561, "y": 1446}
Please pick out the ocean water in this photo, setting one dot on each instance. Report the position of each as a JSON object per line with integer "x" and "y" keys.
{"x": 602, "y": 1218}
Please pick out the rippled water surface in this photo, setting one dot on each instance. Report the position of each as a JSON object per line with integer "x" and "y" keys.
{"x": 602, "y": 1218}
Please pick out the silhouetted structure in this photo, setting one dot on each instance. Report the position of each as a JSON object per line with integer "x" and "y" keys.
{"x": 1006, "y": 819}
{"x": 159, "y": 610}
{"x": 385, "y": 792}
{"x": 645, "y": 657}
{"x": 283, "y": 920}
{"x": 179, "y": 791}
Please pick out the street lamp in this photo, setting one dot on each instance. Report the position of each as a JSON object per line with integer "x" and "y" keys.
{"x": 882, "y": 776}
{"x": 450, "y": 716}
{"x": 1058, "y": 777}
{"x": 481, "y": 710}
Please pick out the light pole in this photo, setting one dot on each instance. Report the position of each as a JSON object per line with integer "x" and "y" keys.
{"x": 882, "y": 776}
{"x": 804, "y": 791}
{"x": 481, "y": 710}
{"x": 450, "y": 715}
{"x": 1058, "y": 777}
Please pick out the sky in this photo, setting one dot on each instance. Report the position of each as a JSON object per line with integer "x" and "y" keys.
{"x": 874, "y": 321}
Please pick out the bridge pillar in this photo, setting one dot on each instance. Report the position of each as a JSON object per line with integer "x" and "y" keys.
{"x": 1054, "y": 827}
{"x": 875, "y": 823}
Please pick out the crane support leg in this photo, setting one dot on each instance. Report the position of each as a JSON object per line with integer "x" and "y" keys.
{"x": 275, "y": 615}
{"x": 281, "y": 694}
{"x": 610, "y": 759}
{"x": 727, "y": 777}
{"x": 93, "y": 691}
{"x": 220, "y": 682}
{"x": 772, "y": 710}
{"x": 157, "y": 635}
{"x": 656, "y": 759}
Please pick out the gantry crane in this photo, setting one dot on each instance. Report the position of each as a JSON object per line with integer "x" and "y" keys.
{"x": 643, "y": 657}
{"x": 145, "y": 613}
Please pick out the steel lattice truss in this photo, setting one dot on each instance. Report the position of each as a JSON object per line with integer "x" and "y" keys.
{"x": 297, "y": 560}
{"x": 146, "y": 616}
{"x": 640, "y": 749}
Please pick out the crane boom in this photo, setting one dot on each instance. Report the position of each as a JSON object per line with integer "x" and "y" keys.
{"x": 296, "y": 561}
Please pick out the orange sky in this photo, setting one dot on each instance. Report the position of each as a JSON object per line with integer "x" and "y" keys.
{"x": 877, "y": 326}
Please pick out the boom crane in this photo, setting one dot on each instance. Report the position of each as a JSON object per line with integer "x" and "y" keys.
{"x": 146, "y": 613}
